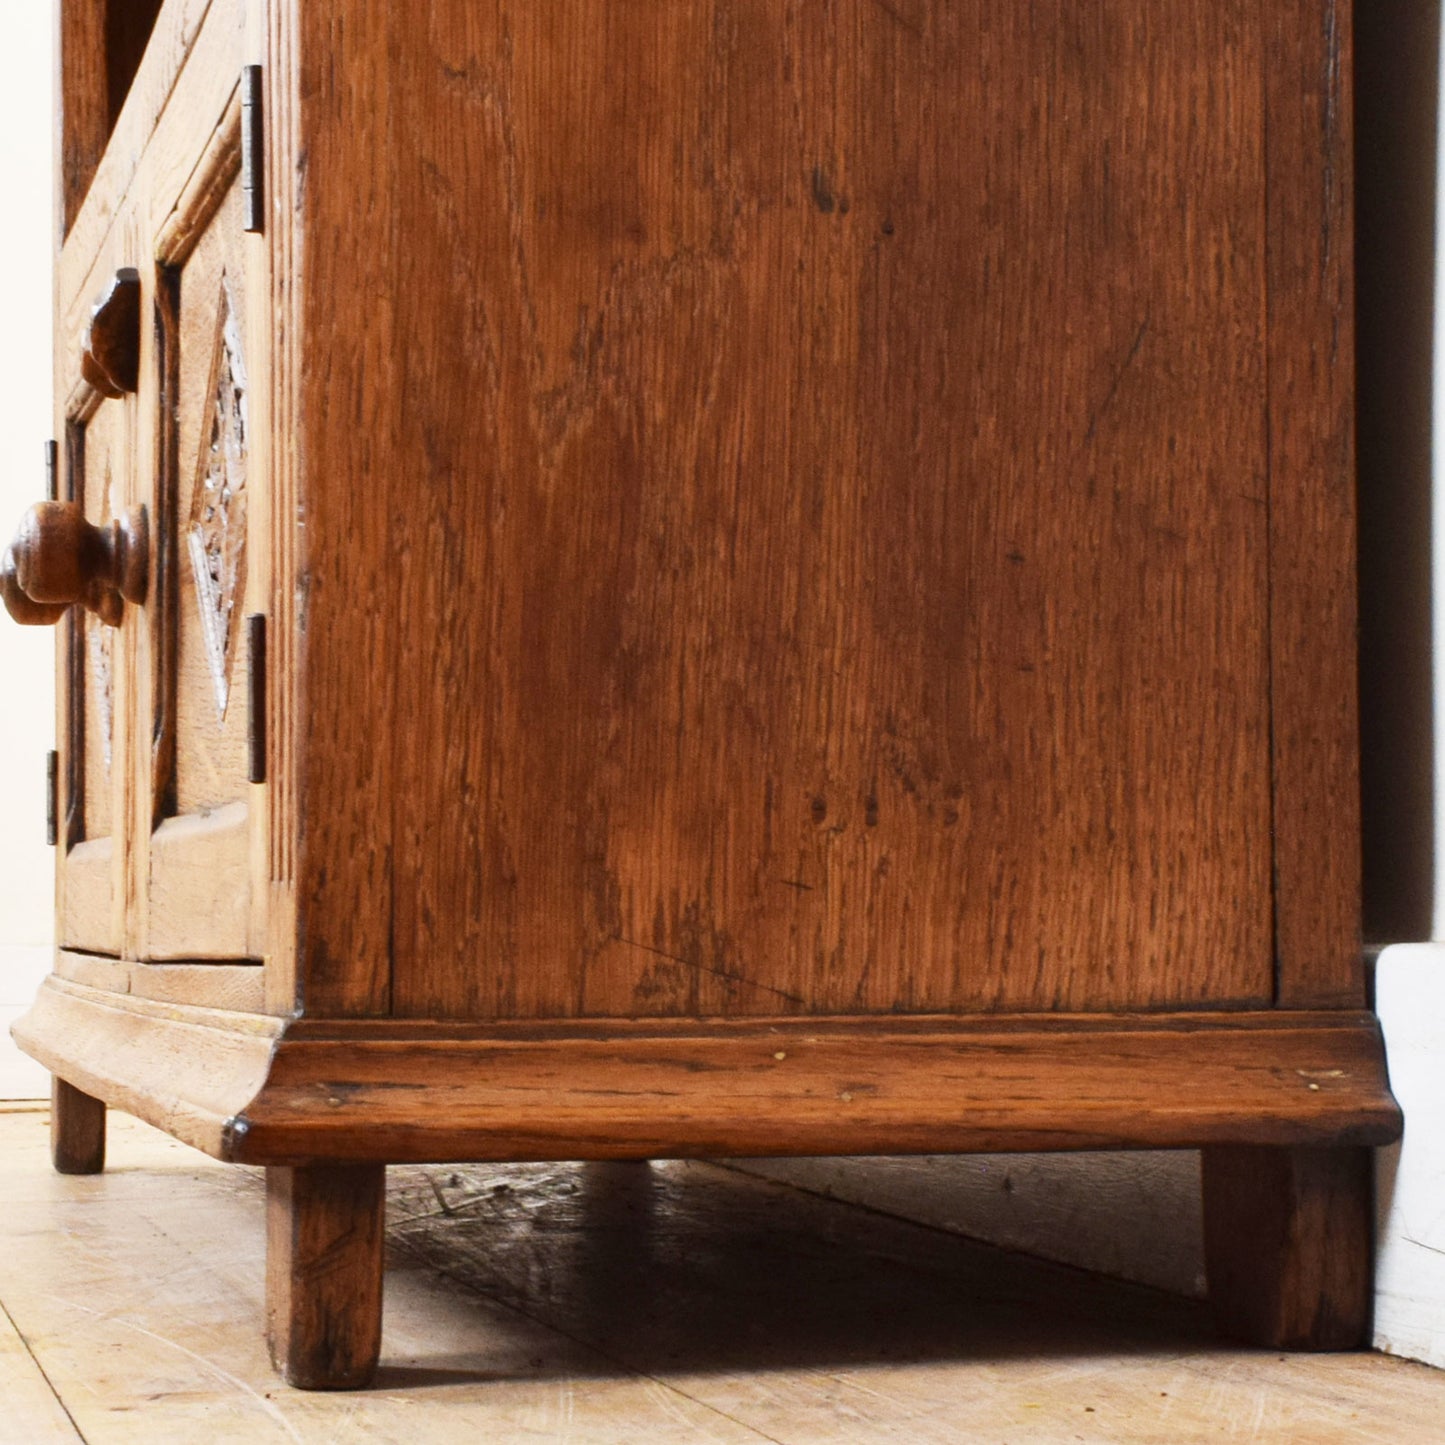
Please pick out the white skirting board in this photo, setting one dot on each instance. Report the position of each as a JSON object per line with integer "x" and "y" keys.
{"x": 1410, "y": 1177}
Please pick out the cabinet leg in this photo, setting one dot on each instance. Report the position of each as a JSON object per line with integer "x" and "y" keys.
{"x": 77, "y": 1130}
{"x": 1288, "y": 1243}
{"x": 325, "y": 1227}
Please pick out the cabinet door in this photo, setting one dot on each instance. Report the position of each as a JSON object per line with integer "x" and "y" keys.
{"x": 160, "y": 815}
{"x": 199, "y": 894}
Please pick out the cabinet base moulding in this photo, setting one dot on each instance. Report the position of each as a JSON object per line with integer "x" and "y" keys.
{"x": 256, "y": 1089}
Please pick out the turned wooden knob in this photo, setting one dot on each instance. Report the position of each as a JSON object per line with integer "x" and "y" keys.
{"x": 58, "y": 558}
{"x": 25, "y": 610}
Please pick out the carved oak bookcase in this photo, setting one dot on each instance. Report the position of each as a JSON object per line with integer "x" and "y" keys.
{"x": 751, "y": 576}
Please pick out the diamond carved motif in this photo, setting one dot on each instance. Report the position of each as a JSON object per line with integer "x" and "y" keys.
{"x": 217, "y": 532}
{"x": 98, "y": 645}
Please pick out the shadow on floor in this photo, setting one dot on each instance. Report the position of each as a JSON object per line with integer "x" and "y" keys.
{"x": 690, "y": 1267}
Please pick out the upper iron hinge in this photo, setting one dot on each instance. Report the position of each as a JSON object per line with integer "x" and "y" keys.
{"x": 253, "y": 135}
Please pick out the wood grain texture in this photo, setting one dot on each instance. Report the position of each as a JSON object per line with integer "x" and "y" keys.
{"x": 84, "y": 102}
{"x": 1313, "y": 698}
{"x": 795, "y": 490}
{"x": 324, "y": 1238}
{"x": 77, "y": 1130}
{"x": 1289, "y": 1239}
{"x": 344, "y": 791}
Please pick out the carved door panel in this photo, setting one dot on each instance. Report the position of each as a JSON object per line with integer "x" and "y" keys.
{"x": 99, "y": 473}
{"x": 199, "y": 896}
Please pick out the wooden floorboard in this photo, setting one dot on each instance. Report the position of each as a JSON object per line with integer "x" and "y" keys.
{"x": 619, "y": 1302}
{"x": 31, "y": 1410}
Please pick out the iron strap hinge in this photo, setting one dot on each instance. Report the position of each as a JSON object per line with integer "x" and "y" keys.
{"x": 253, "y": 136}
{"x": 256, "y": 700}
{"x": 52, "y": 805}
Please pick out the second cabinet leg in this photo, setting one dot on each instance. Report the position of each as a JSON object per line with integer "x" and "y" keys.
{"x": 77, "y": 1130}
{"x": 1288, "y": 1242}
{"x": 324, "y": 1249}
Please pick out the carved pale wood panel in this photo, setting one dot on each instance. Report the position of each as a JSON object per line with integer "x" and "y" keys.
{"x": 212, "y": 450}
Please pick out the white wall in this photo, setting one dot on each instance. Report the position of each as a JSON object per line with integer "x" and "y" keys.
{"x": 26, "y": 654}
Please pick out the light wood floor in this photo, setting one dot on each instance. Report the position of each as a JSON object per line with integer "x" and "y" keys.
{"x": 617, "y": 1303}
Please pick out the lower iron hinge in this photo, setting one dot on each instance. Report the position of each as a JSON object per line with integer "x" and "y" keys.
{"x": 256, "y": 700}
{"x": 253, "y": 135}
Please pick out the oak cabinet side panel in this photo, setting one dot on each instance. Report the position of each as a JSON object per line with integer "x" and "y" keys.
{"x": 770, "y": 543}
